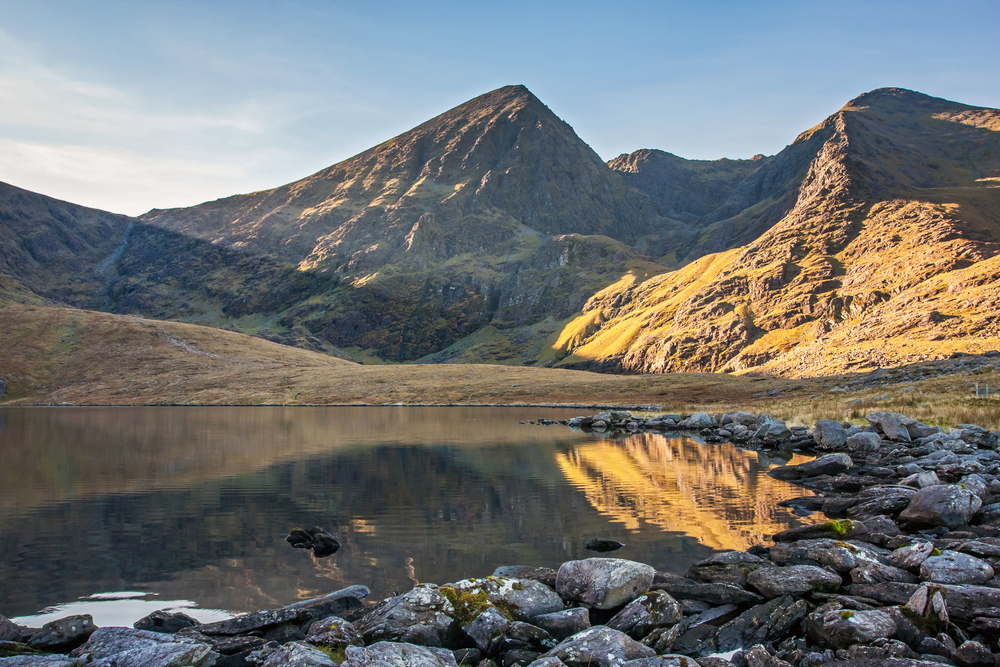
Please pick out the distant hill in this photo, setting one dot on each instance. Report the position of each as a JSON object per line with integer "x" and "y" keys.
{"x": 493, "y": 233}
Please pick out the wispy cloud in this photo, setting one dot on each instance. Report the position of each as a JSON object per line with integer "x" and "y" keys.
{"x": 115, "y": 179}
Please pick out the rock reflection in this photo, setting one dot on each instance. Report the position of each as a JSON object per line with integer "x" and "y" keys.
{"x": 717, "y": 494}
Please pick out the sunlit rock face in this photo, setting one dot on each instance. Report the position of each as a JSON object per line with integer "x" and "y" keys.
{"x": 715, "y": 494}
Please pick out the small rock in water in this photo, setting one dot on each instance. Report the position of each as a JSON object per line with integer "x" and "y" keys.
{"x": 603, "y": 545}
{"x": 322, "y": 543}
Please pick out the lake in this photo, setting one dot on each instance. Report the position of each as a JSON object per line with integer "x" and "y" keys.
{"x": 120, "y": 511}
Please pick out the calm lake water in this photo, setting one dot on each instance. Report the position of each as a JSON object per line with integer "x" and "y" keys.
{"x": 189, "y": 507}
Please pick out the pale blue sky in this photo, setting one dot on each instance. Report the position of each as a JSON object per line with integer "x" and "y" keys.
{"x": 130, "y": 105}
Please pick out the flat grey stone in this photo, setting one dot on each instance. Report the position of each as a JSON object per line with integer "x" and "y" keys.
{"x": 772, "y": 582}
{"x": 840, "y": 628}
{"x": 953, "y": 567}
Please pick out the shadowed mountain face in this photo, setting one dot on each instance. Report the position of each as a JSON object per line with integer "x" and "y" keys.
{"x": 484, "y": 233}
{"x": 884, "y": 246}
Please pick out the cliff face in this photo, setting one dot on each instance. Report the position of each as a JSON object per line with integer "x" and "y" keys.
{"x": 888, "y": 243}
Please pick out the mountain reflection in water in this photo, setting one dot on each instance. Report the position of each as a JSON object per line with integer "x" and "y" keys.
{"x": 717, "y": 494}
{"x": 194, "y": 503}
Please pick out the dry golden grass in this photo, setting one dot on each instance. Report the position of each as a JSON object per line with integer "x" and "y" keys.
{"x": 77, "y": 357}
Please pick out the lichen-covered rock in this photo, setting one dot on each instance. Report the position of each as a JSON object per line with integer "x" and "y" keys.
{"x": 292, "y": 654}
{"x": 64, "y": 633}
{"x": 978, "y": 436}
{"x": 646, "y": 613}
{"x": 334, "y": 633}
{"x": 838, "y": 529}
{"x": 840, "y": 628}
{"x": 519, "y": 599}
{"x": 487, "y": 629}
{"x": 110, "y": 641}
{"x": 773, "y": 582}
{"x": 879, "y": 573}
{"x": 944, "y": 505}
{"x": 728, "y": 567}
{"x": 565, "y": 623}
{"x": 973, "y": 654}
{"x": 604, "y": 583}
{"x": 37, "y": 661}
{"x": 599, "y": 646}
{"x": 953, "y": 567}
{"x": 422, "y": 616}
{"x": 844, "y": 556}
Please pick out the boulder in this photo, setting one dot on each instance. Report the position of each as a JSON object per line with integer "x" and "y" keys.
{"x": 521, "y": 635}
{"x": 422, "y": 616}
{"x": 840, "y": 628}
{"x": 520, "y": 599}
{"x": 599, "y": 646}
{"x": 334, "y": 633}
{"x": 892, "y": 424}
{"x": 728, "y": 567}
{"x": 11, "y": 631}
{"x": 700, "y": 420}
{"x": 831, "y": 464}
{"x": 37, "y": 661}
{"x": 943, "y": 505}
{"x": 953, "y": 567}
{"x": 164, "y": 621}
{"x": 292, "y": 654}
{"x": 646, "y": 613}
{"x": 863, "y": 443}
{"x": 487, "y": 630}
{"x": 386, "y": 654}
{"x": 829, "y": 435}
{"x": 603, "y": 583}
{"x": 773, "y": 582}
{"x": 889, "y": 501}
{"x": 876, "y": 574}
{"x": 912, "y": 555}
{"x": 973, "y": 654}
{"x": 977, "y": 436}
{"x": 682, "y": 588}
{"x": 774, "y": 432}
{"x": 63, "y": 634}
{"x": 664, "y": 661}
{"x": 128, "y": 647}
{"x": 764, "y": 623}
{"x": 841, "y": 556}
{"x": 838, "y": 529}
{"x": 563, "y": 624}
{"x": 543, "y": 575}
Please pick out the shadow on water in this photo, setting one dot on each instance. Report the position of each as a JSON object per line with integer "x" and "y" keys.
{"x": 194, "y": 503}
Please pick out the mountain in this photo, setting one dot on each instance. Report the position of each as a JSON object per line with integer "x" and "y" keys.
{"x": 493, "y": 233}
{"x": 492, "y": 214}
{"x": 883, "y": 248}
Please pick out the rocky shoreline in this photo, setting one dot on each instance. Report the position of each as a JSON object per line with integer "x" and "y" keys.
{"x": 902, "y": 573}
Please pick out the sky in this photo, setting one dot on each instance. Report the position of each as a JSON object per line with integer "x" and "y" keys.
{"x": 132, "y": 105}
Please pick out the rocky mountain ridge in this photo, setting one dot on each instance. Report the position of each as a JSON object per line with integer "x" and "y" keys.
{"x": 494, "y": 233}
